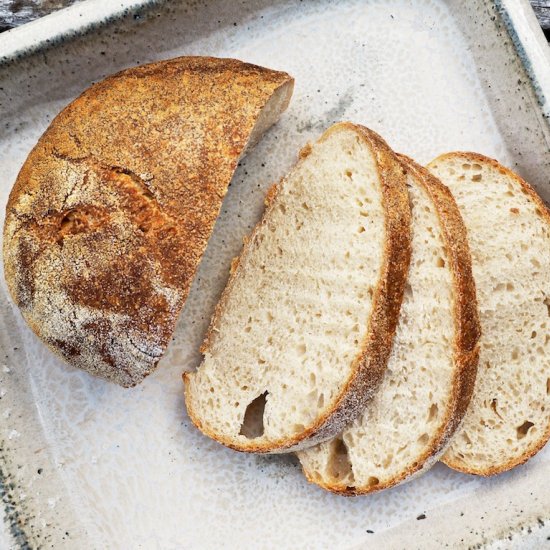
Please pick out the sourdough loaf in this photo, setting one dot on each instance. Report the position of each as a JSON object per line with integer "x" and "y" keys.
{"x": 300, "y": 338}
{"x": 508, "y": 419}
{"x": 431, "y": 371}
{"x": 112, "y": 210}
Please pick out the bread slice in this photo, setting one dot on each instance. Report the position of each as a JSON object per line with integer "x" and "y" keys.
{"x": 432, "y": 367}
{"x": 508, "y": 420}
{"x": 110, "y": 214}
{"x": 300, "y": 338}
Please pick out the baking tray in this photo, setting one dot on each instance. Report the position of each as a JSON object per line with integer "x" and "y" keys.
{"x": 85, "y": 464}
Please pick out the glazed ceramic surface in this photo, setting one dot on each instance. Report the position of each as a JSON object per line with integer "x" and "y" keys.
{"x": 86, "y": 464}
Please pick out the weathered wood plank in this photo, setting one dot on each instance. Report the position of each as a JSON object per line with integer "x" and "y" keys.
{"x": 542, "y": 9}
{"x": 17, "y": 12}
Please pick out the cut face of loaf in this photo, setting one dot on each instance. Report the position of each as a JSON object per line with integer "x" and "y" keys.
{"x": 111, "y": 213}
{"x": 508, "y": 420}
{"x": 431, "y": 370}
{"x": 301, "y": 336}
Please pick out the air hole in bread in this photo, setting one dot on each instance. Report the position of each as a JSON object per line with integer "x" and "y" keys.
{"x": 466, "y": 438}
{"x": 305, "y": 206}
{"x": 521, "y": 431}
{"x": 253, "y": 422}
{"x": 515, "y": 354}
{"x": 466, "y": 166}
{"x": 509, "y": 286}
{"x": 535, "y": 263}
{"x": 494, "y": 404}
{"x": 433, "y": 412}
{"x": 548, "y": 386}
{"x": 339, "y": 466}
{"x": 364, "y": 214}
{"x": 423, "y": 439}
{"x": 301, "y": 349}
{"x": 387, "y": 461}
{"x": 372, "y": 481}
{"x": 349, "y": 173}
{"x": 440, "y": 262}
{"x": 247, "y": 328}
{"x": 476, "y": 177}
{"x": 546, "y": 302}
{"x": 361, "y": 229}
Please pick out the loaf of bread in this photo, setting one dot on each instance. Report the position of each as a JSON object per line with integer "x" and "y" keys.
{"x": 431, "y": 371}
{"x": 508, "y": 420}
{"x": 300, "y": 338}
{"x": 112, "y": 210}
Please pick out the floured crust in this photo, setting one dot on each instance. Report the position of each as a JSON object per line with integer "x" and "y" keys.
{"x": 467, "y": 332}
{"x": 545, "y": 214}
{"x": 112, "y": 210}
{"x": 369, "y": 367}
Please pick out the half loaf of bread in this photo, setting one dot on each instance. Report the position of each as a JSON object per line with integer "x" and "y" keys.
{"x": 300, "y": 338}
{"x": 431, "y": 371}
{"x": 111, "y": 213}
{"x": 508, "y": 419}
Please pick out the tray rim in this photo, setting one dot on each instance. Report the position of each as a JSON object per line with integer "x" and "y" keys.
{"x": 84, "y": 17}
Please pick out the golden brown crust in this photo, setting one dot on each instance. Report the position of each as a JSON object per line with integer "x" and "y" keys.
{"x": 369, "y": 367}
{"x": 545, "y": 214}
{"x": 467, "y": 330}
{"x": 112, "y": 210}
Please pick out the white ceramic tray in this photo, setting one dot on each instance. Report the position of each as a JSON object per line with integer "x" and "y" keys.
{"x": 85, "y": 464}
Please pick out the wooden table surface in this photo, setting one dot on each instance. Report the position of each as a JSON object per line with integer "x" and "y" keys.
{"x": 17, "y": 12}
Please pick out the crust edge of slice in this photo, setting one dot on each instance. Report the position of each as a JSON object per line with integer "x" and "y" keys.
{"x": 545, "y": 214}
{"x": 369, "y": 367}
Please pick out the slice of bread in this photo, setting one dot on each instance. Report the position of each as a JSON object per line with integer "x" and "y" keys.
{"x": 301, "y": 336}
{"x": 508, "y": 420}
{"x": 432, "y": 367}
{"x": 110, "y": 214}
